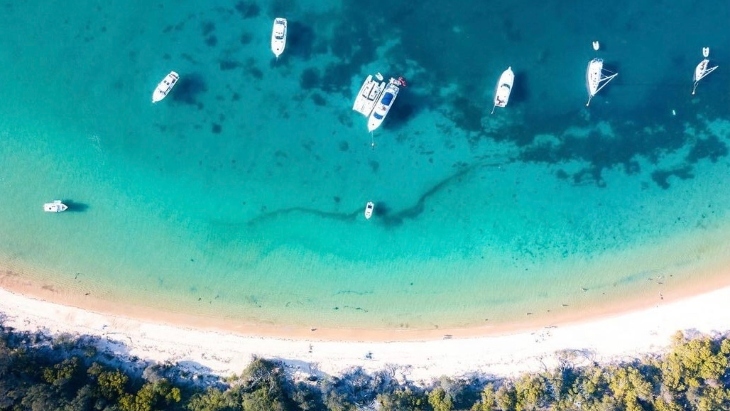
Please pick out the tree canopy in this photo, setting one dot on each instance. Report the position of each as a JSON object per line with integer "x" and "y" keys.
{"x": 69, "y": 376}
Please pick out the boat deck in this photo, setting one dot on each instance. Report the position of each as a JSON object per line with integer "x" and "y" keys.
{"x": 368, "y": 96}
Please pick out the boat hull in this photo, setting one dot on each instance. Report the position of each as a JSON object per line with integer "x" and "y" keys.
{"x": 368, "y": 95}
{"x": 278, "y": 36}
{"x": 164, "y": 87}
{"x": 504, "y": 88}
{"x": 382, "y": 107}
{"x": 55, "y": 207}
{"x": 593, "y": 76}
{"x": 369, "y": 207}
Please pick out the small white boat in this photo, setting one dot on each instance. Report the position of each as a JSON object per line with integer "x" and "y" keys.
{"x": 597, "y": 78}
{"x": 165, "y": 86}
{"x": 55, "y": 207}
{"x": 385, "y": 102}
{"x": 596, "y": 45}
{"x": 369, "y": 207}
{"x": 504, "y": 88}
{"x": 278, "y": 36}
{"x": 369, "y": 94}
{"x": 702, "y": 70}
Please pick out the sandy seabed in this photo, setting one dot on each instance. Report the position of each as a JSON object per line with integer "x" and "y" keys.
{"x": 502, "y": 353}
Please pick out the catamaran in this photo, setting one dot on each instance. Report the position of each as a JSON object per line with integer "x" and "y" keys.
{"x": 504, "y": 88}
{"x": 164, "y": 87}
{"x": 385, "y": 102}
{"x": 702, "y": 69}
{"x": 597, "y": 78}
{"x": 55, "y": 207}
{"x": 369, "y": 93}
{"x": 278, "y": 36}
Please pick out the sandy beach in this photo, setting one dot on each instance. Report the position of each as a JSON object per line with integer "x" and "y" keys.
{"x": 615, "y": 337}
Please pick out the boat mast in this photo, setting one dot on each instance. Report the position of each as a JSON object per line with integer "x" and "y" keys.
{"x": 604, "y": 80}
{"x": 702, "y": 68}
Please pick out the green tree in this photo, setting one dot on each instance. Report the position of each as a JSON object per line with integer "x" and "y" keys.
{"x": 262, "y": 400}
{"x": 112, "y": 384}
{"x": 402, "y": 399}
{"x": 212, "y": 399}
{"x": 629, "y": 387}
{"x": 440, "y": 400}
{"x": 64, "y": 375}
{"x": 488, "y": 401}
{"x": 530, "y": 392}
{"x": 151, "y": 397}
{"x": 506, "y": 397}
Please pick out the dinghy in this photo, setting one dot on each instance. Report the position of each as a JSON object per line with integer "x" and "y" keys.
{"x": 597, "y": 78}
{"x": 504, "y": 88}
{"x": 702, "y": 70}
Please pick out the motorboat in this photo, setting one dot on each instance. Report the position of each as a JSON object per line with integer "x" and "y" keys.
{"x": 369, "y": 207}
{"x": 597, "y": 77}
{"x": 165, "y": 86}
{"x": 385, "y": 102}
{"x": 702, "y": 70}
{"x": 369, "y": 94}
{"x": 278, "y": 36}
{"x": 504, "y": 88}
{"x": 56, "y": 206}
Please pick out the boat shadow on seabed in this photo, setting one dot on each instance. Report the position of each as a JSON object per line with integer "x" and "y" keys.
{"x": 75, "y": 206}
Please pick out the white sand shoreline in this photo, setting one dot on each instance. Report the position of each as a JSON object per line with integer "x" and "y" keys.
{"x": 223, "y": 353}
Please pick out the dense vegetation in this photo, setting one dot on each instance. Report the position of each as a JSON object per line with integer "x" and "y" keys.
{"x": 38, "y": 372}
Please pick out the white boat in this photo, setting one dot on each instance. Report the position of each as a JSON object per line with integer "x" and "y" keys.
{"x": 369, "y": 207}
{"x": 278, "y": 36}
{"x": 504, "y": 88}
{"x": 165, "y": 86}
{"x": 55, "y": 207}
{"x": 597, "y": 78}
{"x": 702, "y": 70}
{"x": 369, "y": 93}
{"x": 385, "y": 102}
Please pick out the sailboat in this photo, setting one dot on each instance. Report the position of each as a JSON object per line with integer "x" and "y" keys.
{"x": 597, "y": 78}
{"x": 504, "y": 88}
{"x": 702, "y": 69}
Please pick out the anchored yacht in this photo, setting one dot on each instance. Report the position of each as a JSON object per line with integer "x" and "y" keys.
{"x": 702, "y": 70}
{"x": 385, "y": 102}
{"x": 278, "y": 36}
{"x": 369, "y": 207}
{"x": 597, "y": 78}
{"x": 165, "y": 86}
{"x": 55, "y": 207}
{"x": 369, "y": 93}
{"x": 504, "y": 88}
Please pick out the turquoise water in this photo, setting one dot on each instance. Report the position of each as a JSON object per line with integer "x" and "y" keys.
{"x": 240, "y": 196}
